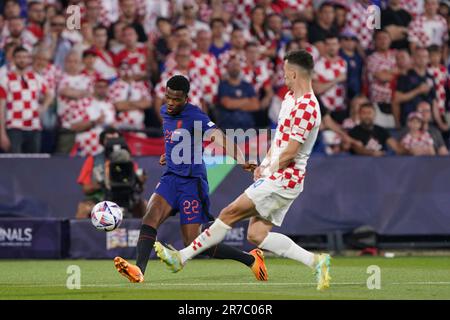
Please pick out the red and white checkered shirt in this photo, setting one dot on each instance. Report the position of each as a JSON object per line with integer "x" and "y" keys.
{"x": 132, "y": 63}
{"x": 87, "y": 142}
{"x": 242, "y": 12}
{"x": 440, "y": 76}
{"x": 357, "y": 18}
{"x": 205, "y": 65}
{"x": 414, "y": 7}
{"x": 259, "y": 75}
{"x": 299, "y": 5}
{"x": 195, "y": 92}
{"x": 299, "y": 119}
{"x": 424, "y": 140}
{"x": 22, "y": 94}
{"x": 325, "y": 71}
{"x": 425, "y": 32}
{"x": 27, "y": 40}
{"x": 70, "y": 111}
{"x": 133, "y": 91}
{"x": 52, "y": 76}
{"x": 104, "y": 65}
{"x": 380, "y": 92}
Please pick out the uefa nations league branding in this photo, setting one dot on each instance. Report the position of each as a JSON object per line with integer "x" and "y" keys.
{"x": 16, "y": 237}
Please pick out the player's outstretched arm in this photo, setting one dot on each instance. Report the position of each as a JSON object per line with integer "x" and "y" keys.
{"x": 231, "y": 149}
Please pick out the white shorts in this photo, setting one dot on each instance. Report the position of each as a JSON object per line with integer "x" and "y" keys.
{"x": 272, "y": 201}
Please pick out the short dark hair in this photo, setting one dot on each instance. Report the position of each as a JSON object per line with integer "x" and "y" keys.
{"x": 108, "y": 130}
{"x": 18, "y": 50}
{"x": 300, "y": 20}
{"x": 215, "y": 20}
{"x": 300, "y": 58}
{"x": 89, "y": 53}
{"x": 367, "y": 105}
{"x": 329, "y": 36}
{"x": 434, "y": 48}
{"x": 180, "y": 27}
{"x": 379, "y": 31}
{"x": 100, "y": 27}
{"x": 179, "y": 83}
{"x": 326, "y": 4}
{"x": 160, "y": 19}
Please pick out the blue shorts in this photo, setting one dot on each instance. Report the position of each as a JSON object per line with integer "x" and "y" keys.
{"x": 187, "y": 195}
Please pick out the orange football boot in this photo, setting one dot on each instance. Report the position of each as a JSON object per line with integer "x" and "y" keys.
{"x": 128, "y": 270}
{"x": 259, "y": 267}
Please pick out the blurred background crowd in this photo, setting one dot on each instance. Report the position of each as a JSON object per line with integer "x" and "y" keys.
{"x": 381, "y": 75}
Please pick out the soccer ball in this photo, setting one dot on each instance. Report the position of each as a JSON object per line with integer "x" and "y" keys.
{"x": 106, "y": 216}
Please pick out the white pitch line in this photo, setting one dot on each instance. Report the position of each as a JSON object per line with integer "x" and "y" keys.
{"x": 225, "y": 284}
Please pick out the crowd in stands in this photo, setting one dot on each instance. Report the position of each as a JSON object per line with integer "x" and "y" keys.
{"x": 381, "y": 76}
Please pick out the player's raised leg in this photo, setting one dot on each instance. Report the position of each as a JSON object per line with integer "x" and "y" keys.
{"x": 158, "y": 210}
{"x": 238, "y": 210}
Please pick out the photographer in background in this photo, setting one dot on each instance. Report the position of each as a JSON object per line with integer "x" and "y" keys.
{"x": 112, "y": 176}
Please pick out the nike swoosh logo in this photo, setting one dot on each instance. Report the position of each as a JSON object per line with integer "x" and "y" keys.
{"x": 191, "y": 218}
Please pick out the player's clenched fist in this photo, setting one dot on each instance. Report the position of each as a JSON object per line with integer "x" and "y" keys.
{"x": 162, "y": 159}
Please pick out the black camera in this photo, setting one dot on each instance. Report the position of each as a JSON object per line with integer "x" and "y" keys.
{"x": 123, "y": 186}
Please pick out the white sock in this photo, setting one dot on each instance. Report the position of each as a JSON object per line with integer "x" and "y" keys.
{"x": 283, "y": 246}
{"x": 208, "y": 238}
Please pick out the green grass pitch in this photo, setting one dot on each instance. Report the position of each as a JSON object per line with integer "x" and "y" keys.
{"x": 401, "y": 278}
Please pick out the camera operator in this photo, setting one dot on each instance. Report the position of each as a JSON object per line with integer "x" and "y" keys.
{"x": 112, "y": 176}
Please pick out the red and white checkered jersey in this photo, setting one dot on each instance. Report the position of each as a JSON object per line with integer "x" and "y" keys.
{"x": 52, "y": 76}
{"x": 242, "y": 12}
{"x": 424, "y": 140}
{"x": 327, "y": 70}
{"x": 22, "y": 94}
{"x": 425, "y": 32}
{"x": 440, "y": 76}
{"x": 195, "y": 92}
{"x": 104, "y": 65}
{"x": 299, "y": 119}
{"x": 357, "y": 18}
{"x": 132, "y": 91}
{"x": 299, "y": 5}
{"x": 414, "y": 7}
{"x": 205, "y": 65}
{"x": 132, "y": 63}
{"x": 380, "y": 92}
{"x": 259, "y": 75}
{"x": 87, "y": 142}
{"x": 225, "y": 57}
{"x": 27, "y": 40}
{"x": 70, "y": 110}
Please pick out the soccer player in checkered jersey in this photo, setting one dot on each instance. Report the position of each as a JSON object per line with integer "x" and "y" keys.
{"x": 184, "y": 187}
{"x": 23, "y": 98}
{"x": 279, "y": 180}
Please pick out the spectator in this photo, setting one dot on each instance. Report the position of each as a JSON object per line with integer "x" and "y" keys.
{"x": 299, "y": 32}
{"x": 129, "y": 17}
{"x": 8, "y": 52}
{"x": 330, "y": 78}
{"x": 440, "y": 75}
{"x": 96, "y": 113}
{"x": 18, "y": 34}
{"x": 218, "y": 45}
{"x": 395, "y": 21}
{"x": 74, "y": 87}
{"x": 182, "y": 56}
{"x": 416, "y": 86}
{"x": 355, "y": 63}
{"x": 89, "y": 58}
{"x": 57, "y": 45}
{"x": 237, "y": 99}
{"x": 93, "y": 13}
{"x": 424, "y": 109}
{"x": 355, "y": 104}
{"x": 49, "y": 72}
{"x": 189, "y": 18}
{"x": 429, "y": 28}
{"x": 257, "y": 31}
{"x": 417, "y": 141}
{"x": 381, "y": 71}
{"x": 23, "y": 97}
{"x": 237, "y": 49}
{"x": 11, "y": 9}
{"x": 322, "y": 27}
{"x": 132, "y": 62}
{"x": 276, "y": 35}
{"x": 116, "y": 41}
{"x": 162, "y": 48}
{"x": 85, "y": 38}
{"x": 36, "y": 19}
{"x": 357, "y": 18}
{"x": 374, "y": 139}
{"x": 130, "y": 98}
{"x": 104, "y": 62}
